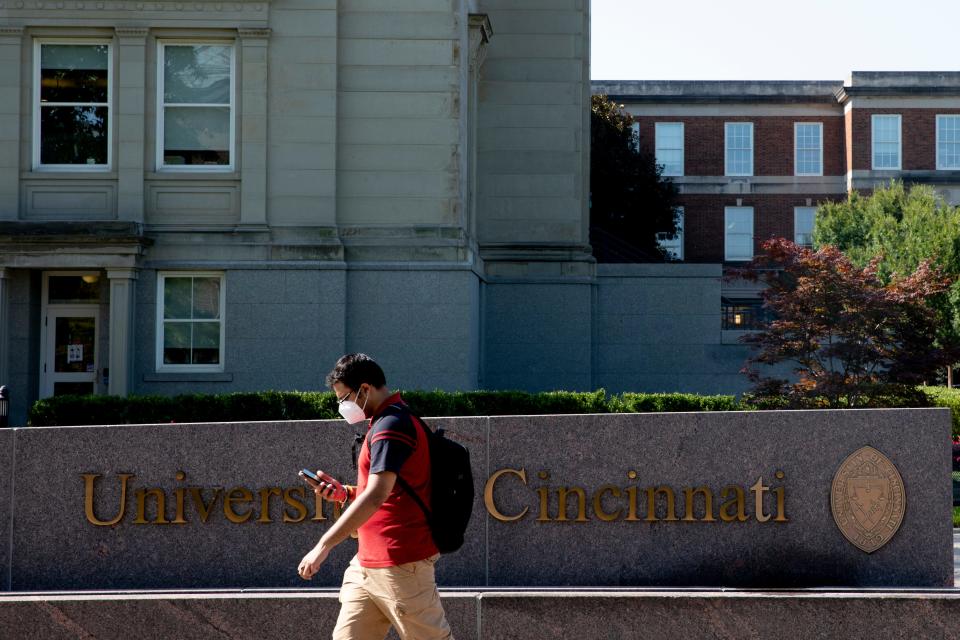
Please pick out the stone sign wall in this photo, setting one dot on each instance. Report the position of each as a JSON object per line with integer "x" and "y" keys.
{"x": 686, "y": 499}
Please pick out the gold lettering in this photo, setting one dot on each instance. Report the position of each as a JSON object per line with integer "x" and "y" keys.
{"x": 562, "y": 494}
{"x": 265, "y": 494}
{"x": 652, "y": 493}
{"x": 196, "y": 494}
{"x": 238, "y": 495}
{"x": 781, "y": 500}
{"x": 544, "y": 515}
{"x": 632, "y": 505}
{"x": 161, "y": 497}
{"x": 739, "y": 502}
{"x": 598, "y": 503}
{"x": 298, "y": 506}
{"x": 488, "y": 495}
{"x": 689, "y": 496}
{"x": 89, "y": 482}
{"x": 178, "y": 492}
{"x": 758, "y": 490}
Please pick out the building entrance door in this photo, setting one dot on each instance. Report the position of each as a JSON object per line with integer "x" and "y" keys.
{"x": 69, "y": 335}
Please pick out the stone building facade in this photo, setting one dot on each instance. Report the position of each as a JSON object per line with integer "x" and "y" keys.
{"x": 208, "y": 196}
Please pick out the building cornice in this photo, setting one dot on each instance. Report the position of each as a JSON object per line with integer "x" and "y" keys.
{"x": 189, "y": 6}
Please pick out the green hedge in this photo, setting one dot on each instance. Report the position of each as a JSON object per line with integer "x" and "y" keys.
{"x": 296, "y": 405}
{"x": 314, "y": 405}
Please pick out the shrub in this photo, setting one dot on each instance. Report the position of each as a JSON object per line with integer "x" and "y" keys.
{"x": 315, "y": 405}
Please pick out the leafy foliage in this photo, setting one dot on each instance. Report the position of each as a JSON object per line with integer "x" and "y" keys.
{"x": 856, "y": 341}
{"x": 629, "y": 199}
{"x": 295, "y": 405}
{"x": 899, "y": 229}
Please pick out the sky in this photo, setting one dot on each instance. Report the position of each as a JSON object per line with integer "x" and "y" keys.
{"x": 771, "y": 39}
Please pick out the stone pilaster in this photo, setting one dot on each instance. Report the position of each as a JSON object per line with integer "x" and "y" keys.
{"x": 10, "y": 82}
{"x": 4, "y": 323}
{"x": 252, "y": 52}
{"x": 122, "y": 305}
{"x": 130, "y": 105}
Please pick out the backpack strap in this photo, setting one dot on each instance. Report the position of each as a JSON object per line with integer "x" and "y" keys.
{"x": 403, "y": 483}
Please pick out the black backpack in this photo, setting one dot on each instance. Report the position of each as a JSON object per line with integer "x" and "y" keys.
{"x": 451, "y": 489}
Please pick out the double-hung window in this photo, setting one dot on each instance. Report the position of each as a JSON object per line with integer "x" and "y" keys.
{"x": 195, "y": 110}
{"x": 738, "y": 234}
{"x": 190, "y": 327}
{"x": 672, "y": 245}
{"x": 739, "y": 148}
{"x": 803, "y": 220}
{"x": 808, "y": 148}
{"x": 669, "y": 147}
{"x": 886, "y": 141}
{"x": 72, "y": 96}
{"x": 948, "y": 142}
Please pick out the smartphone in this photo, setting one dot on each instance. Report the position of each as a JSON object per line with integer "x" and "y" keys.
{"x": 323, "y": 477}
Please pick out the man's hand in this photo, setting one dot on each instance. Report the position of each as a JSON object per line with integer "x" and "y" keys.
{"x": 312, "y": 561}
{"x": 328, "y": 488}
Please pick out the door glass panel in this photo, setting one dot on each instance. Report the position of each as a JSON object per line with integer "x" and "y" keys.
{"x": 74, "y": 345}
{"x": 73, "y": 289}
{"x": 72, "y": 388}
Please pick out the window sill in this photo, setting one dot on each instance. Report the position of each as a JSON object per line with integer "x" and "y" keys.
{"x": 42, "y": 174}
{"x": 182, "y": 176}
{"x": 187, "y": 376}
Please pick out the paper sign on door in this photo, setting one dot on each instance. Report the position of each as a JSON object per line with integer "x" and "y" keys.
{"x": 74, "y": 353}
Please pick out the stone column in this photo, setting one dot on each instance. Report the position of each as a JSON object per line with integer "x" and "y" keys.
{"x": 4, "y": 323}
{"x": 122, "y": 345}
{"x": 253, "y": 126}
{"x": 11, "y": 42}
{"x": 130, "y": 105}
{"x": 479, "y": 35}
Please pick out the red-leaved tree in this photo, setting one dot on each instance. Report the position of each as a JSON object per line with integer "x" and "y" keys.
{"x": 853, "y": 341}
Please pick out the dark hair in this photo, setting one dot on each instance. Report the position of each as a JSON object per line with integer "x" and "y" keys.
{"x": 353, "y": 369}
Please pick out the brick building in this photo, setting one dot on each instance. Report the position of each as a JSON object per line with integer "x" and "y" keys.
{"x": 753, "y": 159}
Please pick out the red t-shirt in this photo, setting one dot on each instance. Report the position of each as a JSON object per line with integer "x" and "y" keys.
{"x": 398, "y": 532}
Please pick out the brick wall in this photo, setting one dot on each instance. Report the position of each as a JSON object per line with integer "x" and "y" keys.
{"x": 704, "y": 220}
{"x": 773, "y": 143}
{"x": 918, "y": 132}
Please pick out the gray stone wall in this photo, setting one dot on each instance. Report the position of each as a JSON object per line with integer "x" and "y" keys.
{"x": 259, "y": 537}
{"x": 658, "y": 328}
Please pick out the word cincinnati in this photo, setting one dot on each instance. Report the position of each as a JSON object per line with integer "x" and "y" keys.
{"x": 658, "y": 503}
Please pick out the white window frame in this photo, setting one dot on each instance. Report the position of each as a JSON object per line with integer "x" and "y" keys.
{"x": 796, "y": 148}
{"x": 657, "y": 147}
{"x": 36, "y": 164}
{"x": 726, "y": 245}
{"x": 673, "y": 247}
{"x": 161, "y": 367}
{"x": 726, "y": 149}
{"x": 941, "y": 167}
{"x": 796, "y": 230}
{"x": 873, "y": 141}
{"x": 196, "y": 168}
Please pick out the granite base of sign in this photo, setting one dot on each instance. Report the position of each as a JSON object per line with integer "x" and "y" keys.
{"x": 739, "y": 499}
{"x": 666, "y": 615}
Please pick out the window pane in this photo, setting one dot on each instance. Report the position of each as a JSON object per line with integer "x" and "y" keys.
{"x": 176, "y": 342}
{"x": 196, "y": 135}
{"x": 206, "y": 343}
{"x": 176, "y": 298}
{"x": 73, "y": 72}
{"x": 196, "y": 74}
{"x": 73, "y": 135}
{"x": 206, "y": 298}
{"x": 72, "y": 289}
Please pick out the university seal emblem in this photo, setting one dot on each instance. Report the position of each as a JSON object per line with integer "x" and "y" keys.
{"x": 867, "y": 499}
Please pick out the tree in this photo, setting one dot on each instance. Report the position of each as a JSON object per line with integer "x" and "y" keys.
{"x": 630, "y": 202}
{"x": 899, "y": 229}
{"x": 855, "y": 340}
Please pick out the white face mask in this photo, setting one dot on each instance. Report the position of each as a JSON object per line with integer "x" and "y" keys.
{"x": 352, "y": 412}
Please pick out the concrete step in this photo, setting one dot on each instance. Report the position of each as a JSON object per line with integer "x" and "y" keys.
{"x": 584, "y": 614}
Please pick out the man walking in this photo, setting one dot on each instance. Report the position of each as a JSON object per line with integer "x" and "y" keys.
{"x": 391, "y": 579}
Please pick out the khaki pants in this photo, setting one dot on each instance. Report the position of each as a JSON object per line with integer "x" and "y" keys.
{"x": 404, "y": 596}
